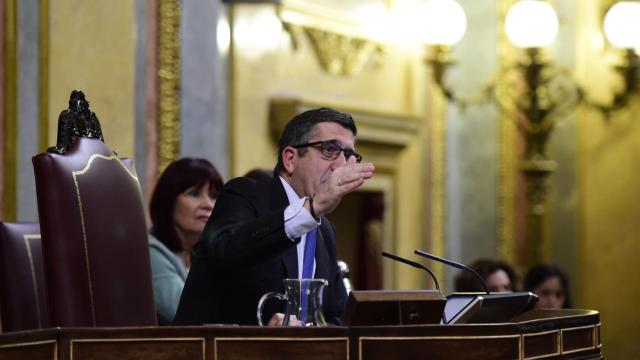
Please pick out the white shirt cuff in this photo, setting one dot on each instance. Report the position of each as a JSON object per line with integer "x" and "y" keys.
{"x": 297, "y": 220}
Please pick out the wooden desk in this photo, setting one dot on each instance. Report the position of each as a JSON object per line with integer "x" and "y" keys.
{"x": 560, "y": 334}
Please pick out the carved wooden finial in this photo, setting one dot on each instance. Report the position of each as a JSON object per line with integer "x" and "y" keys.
{"x": 76, "y": 121}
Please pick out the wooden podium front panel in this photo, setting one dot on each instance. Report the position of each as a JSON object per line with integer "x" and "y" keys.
{"x": 566, "y": 334}
{"x": 578, "y": 339}
{"x": 47, "y": 349}
{"x": 440, "y": 347}
{"x": 280, "y": 348}
{"x": 545, "y": 343}
{"x": 138, "y": 348}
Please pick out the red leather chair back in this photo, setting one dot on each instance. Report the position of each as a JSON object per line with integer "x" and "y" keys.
{"x": 94, "y": 238}
{"x": 23, "y": 301}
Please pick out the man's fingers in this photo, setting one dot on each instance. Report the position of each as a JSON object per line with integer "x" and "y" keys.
{"x": 276, "y": 319}
{"x": 293, "y": 321}
{"x": 352, "y": 185}
{"x": 343, "y": 180}
{"x": 349, "y": 174}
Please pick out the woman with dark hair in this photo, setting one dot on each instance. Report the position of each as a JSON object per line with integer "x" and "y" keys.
{"x": 498, "y": 276}
{"x": 551, "y": 285}
{"x": 180, "y": 206}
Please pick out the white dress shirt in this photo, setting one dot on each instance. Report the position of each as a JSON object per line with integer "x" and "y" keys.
{"x": 298, "y": 222}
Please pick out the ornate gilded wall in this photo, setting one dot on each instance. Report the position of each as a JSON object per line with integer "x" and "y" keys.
{"x": 91, "y": 47}
{"x": 56, "y": 46}
{"x": 608, "y": 155}
{"x": 449, "y": 175}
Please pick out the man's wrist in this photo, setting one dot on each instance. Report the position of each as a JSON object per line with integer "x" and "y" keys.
{"x": 311, "y": 210}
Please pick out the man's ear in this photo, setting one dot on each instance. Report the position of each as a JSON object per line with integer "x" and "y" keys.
{"x": 289, "y": 159}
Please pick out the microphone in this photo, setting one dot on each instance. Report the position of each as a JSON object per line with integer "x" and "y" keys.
{"x": 346, "y": 275}
{"x": 412, "y": 263}
{"x": 455, "y": 265}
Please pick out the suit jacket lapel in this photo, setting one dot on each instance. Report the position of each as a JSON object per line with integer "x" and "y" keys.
{"x": 279, "y": 201}
{"x": 290, "y": 259}
{"x": 322, "y": 257}
{"x": 277, "y": 196}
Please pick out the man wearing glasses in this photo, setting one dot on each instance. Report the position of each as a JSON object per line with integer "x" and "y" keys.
{"x": 263, "y": 232}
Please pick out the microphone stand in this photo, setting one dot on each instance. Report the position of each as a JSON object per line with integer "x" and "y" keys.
{"x": 412, "y": 263}
{"x": 455, "y": 265}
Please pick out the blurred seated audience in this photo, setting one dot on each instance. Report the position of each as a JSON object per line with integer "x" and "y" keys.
{"x": 498, "y": 276}
{"x": 260, "y": 174}
{"x": 180, "y": 206}
{"x": 551, "y": 285}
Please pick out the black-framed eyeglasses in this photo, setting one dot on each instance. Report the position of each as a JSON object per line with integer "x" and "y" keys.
{"x": 331, "y": 150}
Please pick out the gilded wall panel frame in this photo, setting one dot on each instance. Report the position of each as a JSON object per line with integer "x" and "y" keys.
{"x": 382, "y": 137}
{"x": 43, "y": 79}
{"x": 437, "y": 190}
{"x": 168, "y": 82}
{"x": 8, "y": 186}
{"x": 508, "y": 155}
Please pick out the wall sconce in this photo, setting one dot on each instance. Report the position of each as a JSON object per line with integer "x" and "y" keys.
{"x": 533, "y": 25}
{"x": 446, "y": 24}
{"x": 622, "y": 31}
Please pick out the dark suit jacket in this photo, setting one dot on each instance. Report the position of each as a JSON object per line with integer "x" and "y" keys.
{"x": 244, "y": 252}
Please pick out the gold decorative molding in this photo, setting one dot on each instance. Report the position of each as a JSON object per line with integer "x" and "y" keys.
{"x": 10, "y": 131}
{"x": 380, "y": 128}
{"x": 339, "y": 42}
{"x": 168, "y": 82}
{"x": 424, "y": 341}
{"x": 508, "y": 155}
{"x": 340, "y": 54}
{"x": 54, "y": 352}
{"x": 73, "y": 344}
{"x": 380, "y": 135}
{"x": 437, "y": 180}
{"x": 43, "y": 77}
{"x": 217, "y": 340}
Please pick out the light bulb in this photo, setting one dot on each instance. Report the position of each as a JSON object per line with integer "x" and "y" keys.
{"x": 531, "y": 24}
{"x": 621, "y": 24}
{"x": 444, "y": 22}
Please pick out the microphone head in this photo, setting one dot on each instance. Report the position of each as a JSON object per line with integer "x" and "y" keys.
{"x": 344, "y": 268}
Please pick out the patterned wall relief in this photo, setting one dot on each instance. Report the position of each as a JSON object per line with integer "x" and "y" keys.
{"x": 168, "y": 82}
{"x": 338, "y": 39}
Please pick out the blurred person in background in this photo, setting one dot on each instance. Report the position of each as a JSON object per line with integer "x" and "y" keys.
{"x": 180, "y": 206}
{"x": 551, "y": 285}
{"x": 498, "y": 276}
